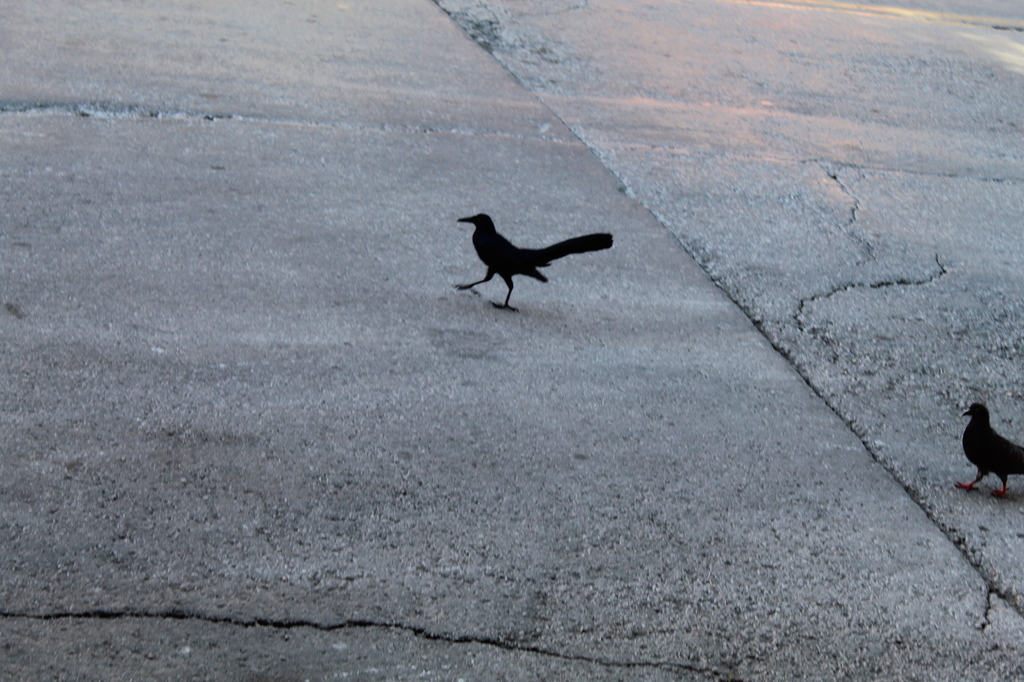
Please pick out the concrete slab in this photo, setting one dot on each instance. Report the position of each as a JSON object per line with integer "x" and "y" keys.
{"x": 238, "y": 59}
{"x": 249, "y": 429}
{"x": 850, "y": 174}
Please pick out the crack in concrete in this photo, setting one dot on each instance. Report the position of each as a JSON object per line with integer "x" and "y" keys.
{"x": 840, "y": 288}
{"x": 417, "y": 631}
{"x": 948, "y": 175}
{"x": 105, "y": 110}
{"x": 986, "y": 619}
{"x": 862, "y": 242}
{"x": 780, "y": 347}
{"x": 834, "y": 174}
{"x": 958, "y": 539}
{"x": 116, "y": 111}
{"x": 862, "y": 169}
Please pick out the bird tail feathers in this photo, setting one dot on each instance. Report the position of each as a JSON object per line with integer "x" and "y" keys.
{"x": 588, "y": 242}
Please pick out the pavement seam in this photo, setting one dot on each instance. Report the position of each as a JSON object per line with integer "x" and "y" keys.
{"x": 931, "y": 174}
{"x": 98, "y": 109}
{"x": 417, "y": 631}
{"x": 952, "y": 534}
{"x": 728, "y": 154}
{"x": 119, "y": 111}
{"x": 958, "y": 539}
{"x": 778, "y": 345}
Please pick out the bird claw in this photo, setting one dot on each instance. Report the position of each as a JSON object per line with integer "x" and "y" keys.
{"x": 966, "y": 486}
{"x": 466, "y": 287}
{"x": 999, "y": 493}
{"x": 505, "y": 306}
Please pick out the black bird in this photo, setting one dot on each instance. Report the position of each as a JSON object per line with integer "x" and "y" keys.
{"x": 989, "y": 451}
{"x": 502, "y": 258}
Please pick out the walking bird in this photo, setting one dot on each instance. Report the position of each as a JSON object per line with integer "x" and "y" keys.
{"x": 503, "y": 258}
{"x": 989, "y": 451}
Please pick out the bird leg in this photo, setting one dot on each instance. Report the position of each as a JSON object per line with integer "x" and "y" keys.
{"x": 508, "y": 281}
{"x": 463, "y": 287}
{"x": 970, "y": 486}
{"x": 1002, "y": 491}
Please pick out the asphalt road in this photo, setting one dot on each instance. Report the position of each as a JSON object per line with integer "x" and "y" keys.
{"x": 248, "y": 430}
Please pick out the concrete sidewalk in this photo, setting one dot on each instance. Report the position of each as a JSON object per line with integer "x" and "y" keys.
{"x": 851, "y": 175}
{"x": 250, "y": 432}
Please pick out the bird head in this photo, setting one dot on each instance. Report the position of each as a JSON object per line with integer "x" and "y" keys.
{"x": 479, "y": 220}
{"x": 977, "y": 410}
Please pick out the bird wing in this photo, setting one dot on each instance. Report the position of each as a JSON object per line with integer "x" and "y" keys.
{"x": 506, "y": 258}
{"x": 1010, "y": 456}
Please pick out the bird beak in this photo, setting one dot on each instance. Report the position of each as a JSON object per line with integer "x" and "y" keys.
{"x": 464, "y": 220}
{"x": 966, "y": 413}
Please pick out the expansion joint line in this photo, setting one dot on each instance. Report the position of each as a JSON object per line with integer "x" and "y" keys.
{"x": 487, "y": 34}
{"x": 417, "y": 631}
{"x": 109, "y": 110}
{"x": 118, "y": 111}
